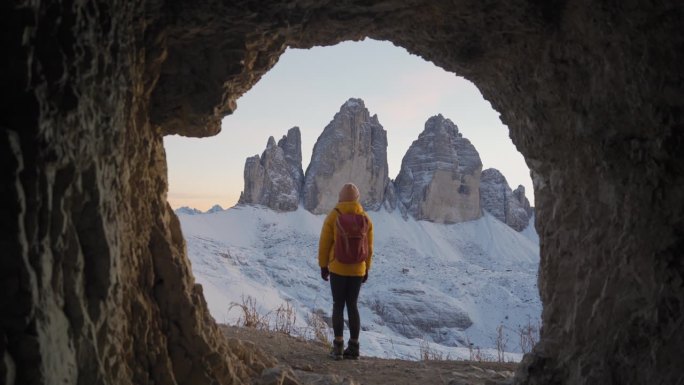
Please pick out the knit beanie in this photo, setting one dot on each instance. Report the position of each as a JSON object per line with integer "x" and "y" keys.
{"x": 349, "y": 193}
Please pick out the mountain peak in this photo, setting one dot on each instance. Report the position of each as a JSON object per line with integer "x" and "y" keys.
{"x": 186, "y": 210}
{"x": 497, "y": 198}
{"x": 353, "y": 103}
{"x": 214, "y": 209}
{"x": 438, "y": 123}
{"x": 275, "y": 179}
{"x": 351, "y": 148}
{"x": 293, "y": 132}
{"x": 439, "y": 181}
{"x": 439, "y": 178}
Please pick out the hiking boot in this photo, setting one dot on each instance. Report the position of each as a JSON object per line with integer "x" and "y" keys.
{"x": 337, "y": 352}
{"x": 352, "y": 351}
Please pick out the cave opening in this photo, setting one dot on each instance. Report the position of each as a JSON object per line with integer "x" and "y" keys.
{"x": 305, "y": 90}
{"x": 591, "y": 93}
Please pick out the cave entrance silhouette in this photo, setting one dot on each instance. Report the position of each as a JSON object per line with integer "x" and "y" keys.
{"x": 98, "y": 284}
{"x": 577, "y": 86}
{"x": 306, "y": 88}
{"x": 406, "y": 90}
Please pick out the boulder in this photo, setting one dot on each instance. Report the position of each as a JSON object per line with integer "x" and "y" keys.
{"x": 407, "y": 312}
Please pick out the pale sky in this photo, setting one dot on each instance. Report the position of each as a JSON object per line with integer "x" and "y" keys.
{"x": 307, "y": 87}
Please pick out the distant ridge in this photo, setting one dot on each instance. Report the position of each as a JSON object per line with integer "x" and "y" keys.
{"x": 185, "y": 210}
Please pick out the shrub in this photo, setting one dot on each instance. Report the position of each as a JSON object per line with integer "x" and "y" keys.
{"x": 318, "y": 329}
{"x": 500, "y": 342}
{"x": 528, "y": 336}
{"x": 285, "y": 319}
{"x": 475, "y": 353}
{"x": 250, "y": 317}
{"x": 427, "y": 353}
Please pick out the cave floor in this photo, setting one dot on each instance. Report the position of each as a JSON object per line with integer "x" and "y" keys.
{"x": 312, "y": 357}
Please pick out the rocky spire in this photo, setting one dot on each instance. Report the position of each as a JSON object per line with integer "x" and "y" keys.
{"x": 292, "y": 149}
{"x": 439, "y": 178}
{"x": 519, "y": 194}
{"x": 497, "y": 198}
{"x": 275, "y": 179}
{"x": 352, "y": 148}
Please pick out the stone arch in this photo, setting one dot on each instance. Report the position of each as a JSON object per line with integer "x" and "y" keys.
{"x": 97, "y": 285}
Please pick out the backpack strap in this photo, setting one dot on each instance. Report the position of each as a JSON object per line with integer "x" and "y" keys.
{"x": 339, "y": 228}
{"x": 336, "y": 222}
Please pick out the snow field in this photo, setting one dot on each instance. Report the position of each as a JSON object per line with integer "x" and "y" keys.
{"x": 431, "y": 287}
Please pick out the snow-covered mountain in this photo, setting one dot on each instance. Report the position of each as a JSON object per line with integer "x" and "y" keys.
{"x": 215, "y": 209}
{"x": 440, "y": 284}
{"x": 185, "y": 210}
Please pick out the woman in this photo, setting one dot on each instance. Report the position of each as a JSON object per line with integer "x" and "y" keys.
{"x": 347, "y": 266}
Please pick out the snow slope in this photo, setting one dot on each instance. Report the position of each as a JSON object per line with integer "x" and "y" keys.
{"x": 432, "y": 285}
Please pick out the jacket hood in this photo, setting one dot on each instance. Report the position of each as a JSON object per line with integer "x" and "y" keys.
{"x": 350, "y": 207}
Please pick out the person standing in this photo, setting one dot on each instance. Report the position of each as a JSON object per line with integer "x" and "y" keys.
{"x": 345, "y": 252}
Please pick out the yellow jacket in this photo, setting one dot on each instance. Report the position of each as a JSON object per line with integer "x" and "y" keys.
{"x": 326, "y": 249}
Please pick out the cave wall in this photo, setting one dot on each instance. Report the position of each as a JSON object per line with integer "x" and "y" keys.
{"x": 97, "y": 287}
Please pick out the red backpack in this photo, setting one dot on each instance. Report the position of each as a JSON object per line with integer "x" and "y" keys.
{"x": 351, "y": 239}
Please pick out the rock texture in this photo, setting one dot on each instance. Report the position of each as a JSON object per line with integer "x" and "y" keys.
{"x": 439, "y": 179}
{"x": 519, "y": 194}
{"x": 292, "y": 149}
{"x": 497, "y": 198}
{"x": 391, "y": 200}
{"x": 415, "y": 317}
{"x": 96, "y": 287}
{"x": 275, "y": 179}
{"x": 352, "y": 148}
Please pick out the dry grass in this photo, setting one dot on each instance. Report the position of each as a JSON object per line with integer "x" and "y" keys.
{"x": 500, "y": 343}
{"x": 250, "y": 317}
{"x": 283, "y": 320}
{"x": 318, "y": 329}
{"x": 427, "y": 353}
{"x": 475, "y": 353}
{"x": 528, "y": 336}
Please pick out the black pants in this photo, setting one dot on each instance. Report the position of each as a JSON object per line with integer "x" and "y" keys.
{"x": 345, "y": 291}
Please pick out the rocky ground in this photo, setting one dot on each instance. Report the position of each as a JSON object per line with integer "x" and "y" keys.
{"x": 311, "y": 364}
